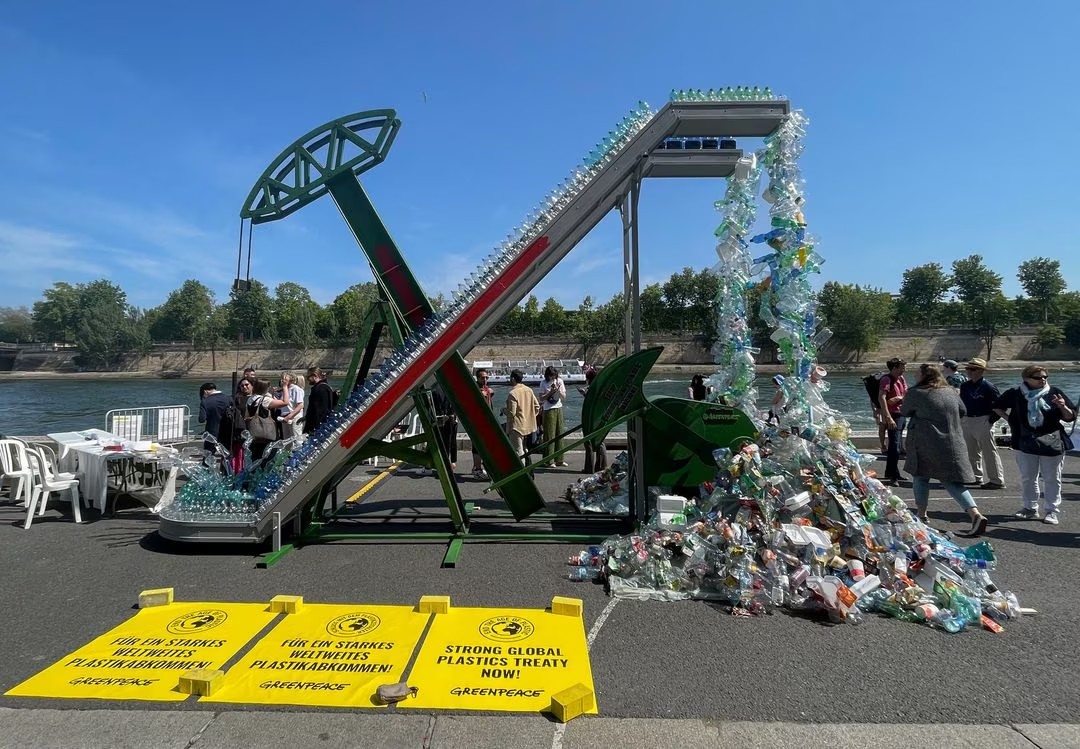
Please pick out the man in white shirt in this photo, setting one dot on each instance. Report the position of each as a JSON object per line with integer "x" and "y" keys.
{"x": 552, "y": 396}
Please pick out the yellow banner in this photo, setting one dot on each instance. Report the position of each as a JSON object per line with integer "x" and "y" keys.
{"x": 327, "y": 655}
{"x": 143, "y": 658}
{"x": 499, "y": 659}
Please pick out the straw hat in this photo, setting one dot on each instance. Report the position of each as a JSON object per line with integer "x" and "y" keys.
{"x": 976, "y": 363}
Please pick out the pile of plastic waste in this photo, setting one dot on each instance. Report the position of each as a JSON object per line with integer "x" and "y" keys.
{"x": 799, "y": 524}
{"x": 606, "y": 491}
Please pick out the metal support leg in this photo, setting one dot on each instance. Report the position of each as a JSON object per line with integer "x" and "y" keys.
{"x": 628, "y": 208}
{"x": 277, "y": 532}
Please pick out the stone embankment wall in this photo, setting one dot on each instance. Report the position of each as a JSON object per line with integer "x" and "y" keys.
{"x": 679, "y": 351}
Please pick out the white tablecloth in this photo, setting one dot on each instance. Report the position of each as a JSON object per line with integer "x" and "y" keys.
{"x": 87, "y": 450}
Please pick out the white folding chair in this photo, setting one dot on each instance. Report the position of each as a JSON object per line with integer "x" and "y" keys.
{"x": 16, "y": 468}
{"x": 46, "y": 481}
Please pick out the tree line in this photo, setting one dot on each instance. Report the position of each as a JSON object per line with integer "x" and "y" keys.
{"x": 970, "y": 296}
{"x": 97, "y": 318}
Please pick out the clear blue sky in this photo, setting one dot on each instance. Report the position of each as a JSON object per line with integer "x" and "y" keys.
{"x": 130, "y": 133}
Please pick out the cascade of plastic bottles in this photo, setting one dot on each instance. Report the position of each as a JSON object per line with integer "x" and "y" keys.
{"x": 788, "y": 303}
{"x": 734, "y": 351}
{"x": 205, "y": 498}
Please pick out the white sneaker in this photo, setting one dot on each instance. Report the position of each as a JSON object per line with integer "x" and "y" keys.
{"x": 1051, "y": 518}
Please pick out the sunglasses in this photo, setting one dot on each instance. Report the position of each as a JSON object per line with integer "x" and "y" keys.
{"x": 1037, "y": 377}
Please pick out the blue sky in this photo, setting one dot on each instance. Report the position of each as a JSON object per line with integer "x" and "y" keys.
{"x": 131, "y": 132}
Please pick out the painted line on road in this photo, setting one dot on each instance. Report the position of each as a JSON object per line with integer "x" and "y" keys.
{"x": 560, "y": 729}
{"x": 371, "y": 484}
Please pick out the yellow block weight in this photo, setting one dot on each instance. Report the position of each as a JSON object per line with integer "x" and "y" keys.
{"x": 572, "y": 702}
{"x": 201, "y": 681}
{"x": 434, "y": 604}
{"x": 155, "y": 597}
{"x": 566, "y": 606}
{"x": 286, "y": 604}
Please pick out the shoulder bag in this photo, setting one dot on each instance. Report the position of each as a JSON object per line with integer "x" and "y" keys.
{"x": 261, "y": 424}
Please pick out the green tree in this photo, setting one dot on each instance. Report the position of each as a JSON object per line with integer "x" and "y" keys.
{"x": 653, "y": 310}
{"x": 16, "y": 325}
{"x": 1050, "y": 336}
{"x": 994, "y": 315}
{"x": 530, "y": 317}
{"x": 553, "y": 320}
{"x": 1072, "y": 331}
{"x": 183, "y": 315}
{"x": 680, "y": 292}
{"x": 512, "y": 322}
{"x": 56, "y": 315}
{"x": 974, "y": 284}
{"x": 1042, "y": 280}
{"x": 295, "y": 314}
{"x": 106, "y": 326}
{"x": 609, "y": 319}
{"x": 349, "y": 309}
{"x": 251, "y": 313}
{"x": 921, "y": 292}
{"x": 703, "y": 304}
{"x": 585, "y": 329}
{"x": 856, "y": 315}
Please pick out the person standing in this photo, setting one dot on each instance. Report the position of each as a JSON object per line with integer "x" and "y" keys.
{"x": 244, "y": 390}
{"x": 447, "y": 423}
{"x": 697, "y": 390}
{"x": 552, "y": 395}
{"x": 979, "y": 396}
{"x": 595, "y": 449}
{"x": 891, "y": 390}
{"x": 293, "y": 416}
{"x": 1036, "y": 411}
{"x": 521, "y": 410}
{"x": 952, "y": 374}
{"x": 936, "y": 444}
{"x": 320, "y": 402}
{"x": 258, "y": 415}
{"x": 478, "y": 471}
{"x": 212, "y": 407}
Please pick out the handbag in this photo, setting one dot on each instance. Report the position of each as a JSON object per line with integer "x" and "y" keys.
{"x": 388, "y": 694}
{"x": 1051, "y": 443}
{"x": 1066, "y": 438}
{"x": 262, "y": 427}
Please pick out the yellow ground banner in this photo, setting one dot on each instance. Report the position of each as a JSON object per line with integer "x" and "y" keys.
{"x": 499, "y": 659}
{"x": 143, "y": 658}
{"x": 327, "y": 655}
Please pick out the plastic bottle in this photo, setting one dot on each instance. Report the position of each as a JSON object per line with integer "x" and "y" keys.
{"x": 582, "y": 574}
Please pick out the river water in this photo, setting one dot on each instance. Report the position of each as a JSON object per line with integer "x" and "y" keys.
{"x": 37, "y": 407}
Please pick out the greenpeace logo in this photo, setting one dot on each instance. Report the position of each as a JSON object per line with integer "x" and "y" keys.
{"x": 494, "y": 692}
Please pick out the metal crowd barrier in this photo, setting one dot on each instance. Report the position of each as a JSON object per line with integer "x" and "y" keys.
{"x": 155, "y": 423}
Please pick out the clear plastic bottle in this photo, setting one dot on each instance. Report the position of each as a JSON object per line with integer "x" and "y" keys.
{"x": 583, "y": 574}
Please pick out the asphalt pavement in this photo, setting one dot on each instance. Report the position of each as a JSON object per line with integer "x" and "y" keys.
{"x": 683, "y": 673}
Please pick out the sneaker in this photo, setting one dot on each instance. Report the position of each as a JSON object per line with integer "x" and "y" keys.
{"x": 1051, "y": 518}
{"x": 562, "y": 465}
{"x": 978, "y": 527}
{"x": 1026, "y": 513}
{"x": 479, "y": 473}
{"x": 993, "y": 485}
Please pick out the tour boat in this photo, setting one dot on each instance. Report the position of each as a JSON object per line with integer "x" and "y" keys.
{"x": 570, "y": 370}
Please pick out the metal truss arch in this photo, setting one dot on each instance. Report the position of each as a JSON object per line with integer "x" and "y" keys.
{"x": 299, "y": 174}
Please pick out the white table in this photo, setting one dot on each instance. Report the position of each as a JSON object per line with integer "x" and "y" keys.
{"x": 88, "y": 449}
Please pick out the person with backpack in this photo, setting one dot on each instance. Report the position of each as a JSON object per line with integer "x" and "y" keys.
{"x": 873, "y": 386}
{"x": 320, "y": 402}
{"x": 891, "y": 390}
